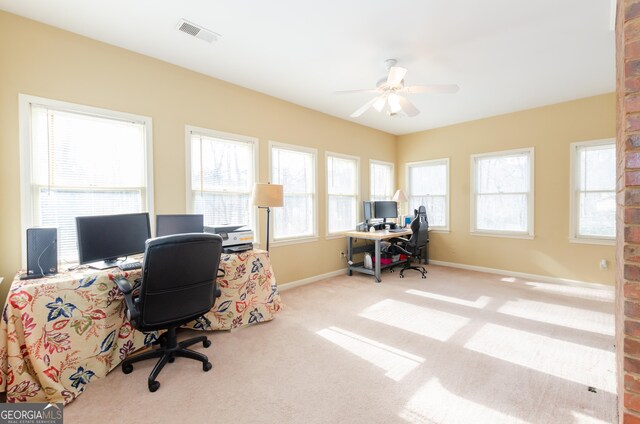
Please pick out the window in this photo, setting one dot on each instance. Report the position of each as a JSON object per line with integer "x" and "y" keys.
{"x": 381, "y": 177}
{"x": 221, "y": 171}
{"x": 428, "y": 183}
{"x": 342, "y": 192}
{"x": 502, "y": 193}
{"x": 76, "y": 161}
{"x": 593, "y": 197}
{"x": 295, "y": 168}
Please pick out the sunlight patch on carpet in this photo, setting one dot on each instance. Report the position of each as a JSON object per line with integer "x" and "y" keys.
{"x": 479, "y": 303}
{"x": 433, "y": 403}
{"x": 426, "y": 322}
{"x": 570, "y": 361}
{"x": 397, "y": 363}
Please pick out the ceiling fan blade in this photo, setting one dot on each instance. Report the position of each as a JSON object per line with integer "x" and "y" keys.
{"x": 396, "y": 74}
{"x": 379, "y": 103}
{"x": 407, "y": 107}
{"x": 364, "y": 90}
{"x": 432, "y": 88}
{"x": 364, "y": 108}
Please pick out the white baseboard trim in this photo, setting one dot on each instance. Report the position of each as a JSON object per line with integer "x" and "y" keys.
{"x": 310, "y": 280}
{"x": 525, "y": 276}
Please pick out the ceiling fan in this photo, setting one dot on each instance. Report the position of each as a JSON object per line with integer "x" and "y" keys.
{"x": 390, "y": 89}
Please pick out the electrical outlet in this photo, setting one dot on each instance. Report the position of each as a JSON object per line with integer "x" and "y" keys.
{"x": 343, "y": 255}
{"x": 604, "y": 264}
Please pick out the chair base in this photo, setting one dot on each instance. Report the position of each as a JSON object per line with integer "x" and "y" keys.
{"x": 167, "y": 352}
{"x": 417, "y": 268}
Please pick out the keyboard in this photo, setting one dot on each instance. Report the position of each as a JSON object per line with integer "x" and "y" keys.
{"x": 129, "y": 266}
{"x": 397, "y": 230}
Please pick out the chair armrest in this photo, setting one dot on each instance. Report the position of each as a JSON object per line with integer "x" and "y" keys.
{"x": 398, "y": 240}
{"x": 127, "y": 290}
{"x": 402, "y": 250}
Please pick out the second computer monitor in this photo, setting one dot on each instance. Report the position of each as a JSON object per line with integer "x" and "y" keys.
{"x": 385, "y": 209}
{"x": 178, "y": 224}
{"x": 367, "y": 208}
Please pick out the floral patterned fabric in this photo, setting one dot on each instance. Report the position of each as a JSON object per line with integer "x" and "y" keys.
{"x": 58, "y": 334}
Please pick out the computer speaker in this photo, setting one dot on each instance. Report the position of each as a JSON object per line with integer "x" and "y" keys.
{"x": 42, "y": 251}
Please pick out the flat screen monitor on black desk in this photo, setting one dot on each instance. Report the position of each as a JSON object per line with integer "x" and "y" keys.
{"x": 385, "y": 209}
{"x": 167, "y": 225}
{"x": 102, "y": 239}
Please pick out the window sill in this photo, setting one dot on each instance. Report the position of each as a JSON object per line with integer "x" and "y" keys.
{"x": 503, "y": 235}
{"x": 287, "y": 242}
{"x": 598, "y": 241}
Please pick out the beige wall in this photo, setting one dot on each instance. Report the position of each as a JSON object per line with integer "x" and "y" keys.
{"x": 43, "y": 61}
{"x": 550, "y": 130}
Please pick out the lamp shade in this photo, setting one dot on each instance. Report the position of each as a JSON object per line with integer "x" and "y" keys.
{"x": 270, "y": 195}
{"x": 400, "y": 196}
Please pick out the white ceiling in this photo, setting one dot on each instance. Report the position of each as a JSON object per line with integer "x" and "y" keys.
{"x": 506, "y": 55}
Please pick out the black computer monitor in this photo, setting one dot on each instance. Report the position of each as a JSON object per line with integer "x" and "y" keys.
{"x": 167, "y": 225}
{"x": 367, "y": 210}
{"x": 102, "y": 239}
{"x": 386, "y": 209}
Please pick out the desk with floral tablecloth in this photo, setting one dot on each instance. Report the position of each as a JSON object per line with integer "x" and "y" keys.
{"x": 60, "y": 333}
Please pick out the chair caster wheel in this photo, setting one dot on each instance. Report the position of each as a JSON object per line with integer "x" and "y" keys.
{"x": 424, "y": 276}
{"x": 206, "y": 343}
{"x": 127, "y": 368}
{"x": 172, "y": 360}
{"x": 153, "y": 386}
{"x": 206, "y": 367}
{"x": 391, "y": 270}
{"x": 401, "y": 276}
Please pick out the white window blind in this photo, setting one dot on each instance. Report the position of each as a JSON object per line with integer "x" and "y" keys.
{"x": 223, "y": 172}
{"x": 83, "y": 163}
{"x": 594, "y": 205}
{"x": 342, "y": 192}
{"x": 428, "y": 183}
{"x": 295, "y": 169}
{"x": 381, "y": 178}
{"x": 502, "y": 186}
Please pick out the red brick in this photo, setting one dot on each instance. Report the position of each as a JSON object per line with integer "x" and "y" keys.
{"x": 632, "y": 347}
{"x": 632, "y": 365}
{"x": 631, "y": 10}
{"x": 630, "y": 419}
{"x": 631, "y": 251}
{"x": 632, "y": 235}
{"x": 632, "y": 290}
{"x": 631, "y": 83}
{"x": 632, "y": 178}
{"x": 633, "y": 141}
{"x": 632, "y": 69}
{"x": 632, "y": 101}
{"x": 632, "y": 402}
{"x": 632, "y": 328}
{"x": 633, "y": 121}
{"x": 632, "y": 310}
{"x": 632, "y": 30}
{"x": 632, "y": 197}
{"x": 632, "y": 160}
{"x": 632, "y": 215}
{"x": 632, "y": 383}
{"x": 632, "y": 272}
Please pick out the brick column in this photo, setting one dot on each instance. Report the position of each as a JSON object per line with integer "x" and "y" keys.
{"x": 628, "y": 211}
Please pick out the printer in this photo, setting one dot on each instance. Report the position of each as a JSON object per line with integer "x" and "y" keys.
{"x": 235, "y": 238}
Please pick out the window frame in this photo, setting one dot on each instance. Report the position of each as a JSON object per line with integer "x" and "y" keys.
{"x": 283, "y": 241}
{"x": 207, "y": 132}
{"x": 530, "y": 233}
{"x": 393, "y": 180}
{"x": 574, "y": 181}
{"x": 433, "y": 162}
{"x": 328, "y": 154}
{"x": 27, "y": 199}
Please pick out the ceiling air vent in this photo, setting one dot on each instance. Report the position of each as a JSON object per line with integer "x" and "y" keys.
{"x": 197, "y": 31}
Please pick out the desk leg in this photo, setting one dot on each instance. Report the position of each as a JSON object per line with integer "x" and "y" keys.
{"x": 377, "y": 266}
{"x": 349, "y": 255}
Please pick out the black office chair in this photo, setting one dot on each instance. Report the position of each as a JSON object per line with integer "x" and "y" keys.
{"x": 178, "y": 285}
{"x": 413, "y": 246}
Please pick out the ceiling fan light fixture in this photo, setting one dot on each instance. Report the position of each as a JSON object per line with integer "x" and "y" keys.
{"x": 379, "y": 103}
{"x": 394, "y": 103}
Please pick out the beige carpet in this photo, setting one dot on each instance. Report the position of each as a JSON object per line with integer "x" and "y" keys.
{"x": 458, "y": 347}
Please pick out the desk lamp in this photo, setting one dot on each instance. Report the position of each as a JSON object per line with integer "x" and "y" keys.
{"x": 266, "y": 196}
{"x": 400, "y": 197}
